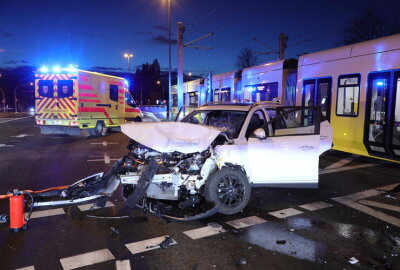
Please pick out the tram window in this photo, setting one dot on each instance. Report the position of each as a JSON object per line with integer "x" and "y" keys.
{"x": 348, "y": 95}
{"x": 308, "y": 92}
{"x": 226, "y": 94}
{"x": 193, "y": 98}
{"x": 264, "y": 92}
{"x": 174, "y": 100}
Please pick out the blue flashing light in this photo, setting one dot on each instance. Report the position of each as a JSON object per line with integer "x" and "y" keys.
{"x": 380, "y": 83}
{"x": 126, "y": 83}
{"x": 71, "y": 69}
{"x": 44, "y": 69}
{"x": 56, "y": 69}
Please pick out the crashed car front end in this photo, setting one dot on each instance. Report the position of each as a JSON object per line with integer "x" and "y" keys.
{"x": 174, "y": 169}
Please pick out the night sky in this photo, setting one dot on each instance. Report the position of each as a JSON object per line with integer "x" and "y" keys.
{"x": 96, "y": 33}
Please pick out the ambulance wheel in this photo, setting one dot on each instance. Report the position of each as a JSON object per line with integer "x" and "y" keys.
{"x": 228, "y": 189}
{"x": 98, "y": 130}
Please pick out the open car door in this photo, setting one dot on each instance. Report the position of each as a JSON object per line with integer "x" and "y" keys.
{"x": 289, "y": 156}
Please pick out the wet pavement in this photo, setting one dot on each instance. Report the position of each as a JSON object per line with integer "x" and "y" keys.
{"x": 352, "y": 217}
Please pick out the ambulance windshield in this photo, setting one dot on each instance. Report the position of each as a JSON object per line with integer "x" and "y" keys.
{"x": 129, "y": 100}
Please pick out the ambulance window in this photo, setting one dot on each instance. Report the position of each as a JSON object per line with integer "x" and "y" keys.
{"x": 129, "y": 100}
{"x": 65, "y": 88}
{"x": 46, "y": 88}
{"x": 114, "y": 92}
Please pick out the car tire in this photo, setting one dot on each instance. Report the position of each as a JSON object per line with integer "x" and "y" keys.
{"x": 228, "y": 189}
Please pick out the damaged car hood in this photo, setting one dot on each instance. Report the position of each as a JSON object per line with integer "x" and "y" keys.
{"x": 169, "y": 137}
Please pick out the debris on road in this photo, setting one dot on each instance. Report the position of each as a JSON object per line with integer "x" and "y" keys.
{"x": 353, "y": 260}
{"x": 242, "y": 261}
{"x": 390, "y": 197}
{"x": 167, "y": 242}
{"x": 114, "y": 231}
{"x": 214, "y": 225}
{"x": 3, "y": 218}
{"x": 281, "y": 242}
{"x": 164, "y": 244}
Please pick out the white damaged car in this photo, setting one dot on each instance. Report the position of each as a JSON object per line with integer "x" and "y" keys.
{"x": 215, "y": 155}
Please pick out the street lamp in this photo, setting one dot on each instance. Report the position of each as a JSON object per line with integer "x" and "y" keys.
{"x": 169, "y": 112}
{"x": 128, "y": 56}
{"x": 3, "y": 100}
{"x": 15, "y": 95}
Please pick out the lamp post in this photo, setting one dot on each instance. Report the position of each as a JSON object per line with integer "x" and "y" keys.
{"x": 15, "y": 96}
{"x": 128, "y": 56}
{"x": 169, "y": 113}
{"x": 3, "y": 100}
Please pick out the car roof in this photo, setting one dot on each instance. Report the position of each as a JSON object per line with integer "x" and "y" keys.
{"x": 239, "y": 106}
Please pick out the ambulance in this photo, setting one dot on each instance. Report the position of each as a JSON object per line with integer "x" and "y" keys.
{"x": 69, "y": 100}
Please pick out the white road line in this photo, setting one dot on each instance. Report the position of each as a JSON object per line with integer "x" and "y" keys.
{"x": 315, "y": 206}
{"x": 106, "y": 159}
{"x": 284, "y": 213}
{"x": 347, "y": 168}
{"x": 123, "y": 265}
{"x": 104, "y": 143}
{"x": 26, "y": 268}
{"x": 14, "y": 119}
{"x": 380, "y": 205}
{"x": 21, "y": 135}
{"x": 362, "y": 195}
{"x": 388, "y": 187}
{"x": 47, "y": 213}
{"x": 341, "y": 162}
{"x": 146, "y": 245}
{"x": 245, "y": 222}
{"x": 86, "y": 259}
{"x": 5, "y": 145}
{"x": 369, "y": 211}
{"x": 203, "y": 232}
{"x": 92, "y": 206}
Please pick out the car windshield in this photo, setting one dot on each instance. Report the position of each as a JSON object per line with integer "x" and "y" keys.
{"x": 231, "y": 120}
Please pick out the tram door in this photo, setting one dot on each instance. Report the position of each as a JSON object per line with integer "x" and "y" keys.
{"x": 382, "y": 119}
{"x": 317, "y": 92}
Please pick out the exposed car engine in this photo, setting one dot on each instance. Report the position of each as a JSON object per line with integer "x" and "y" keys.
{"x": 178, "y": 177}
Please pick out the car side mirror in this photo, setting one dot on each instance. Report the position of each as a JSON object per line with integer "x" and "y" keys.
{"x": 260, "y": 133}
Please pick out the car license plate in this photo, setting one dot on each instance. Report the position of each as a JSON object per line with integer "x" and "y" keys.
{"x": 57, "y": 122}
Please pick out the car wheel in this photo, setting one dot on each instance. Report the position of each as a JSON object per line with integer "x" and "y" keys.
{"x": 229, "y": 189}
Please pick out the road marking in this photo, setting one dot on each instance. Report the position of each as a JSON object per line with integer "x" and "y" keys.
{"x": 22, "y": 135}
{"x": 245, "y": 222}
{"x": 26, "y": 268}
{"x": 86, "y": 259}
{"x": 5, "y": 145}
{"x": 203, "y": 232}
{"x": 104, "y": 143}
{"x": 347, "y": 168}
{"x": 14, "y": 119}
{"x": 368, "y": 210}
{"x": 123, "y": 265}
{"x": 284, "y": 213}
{"x": 388, "y": 187}
{"x": 315, "y": 206}
{"x": 106, "y": 159}
{"x": 92, "y": 206}
{"x": 380, "y": 205}
{"x": 47, "y": 213}
{"x": 341, "y": 162}
{"x": 146, "y": 245}
{"x": 362, "y": 194}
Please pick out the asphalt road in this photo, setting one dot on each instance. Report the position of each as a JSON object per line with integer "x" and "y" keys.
{"x": 285, "y": 228}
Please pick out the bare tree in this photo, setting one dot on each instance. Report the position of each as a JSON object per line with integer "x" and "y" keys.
{"x": 368, "y": 26}
{"x": 246, "y": 58}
